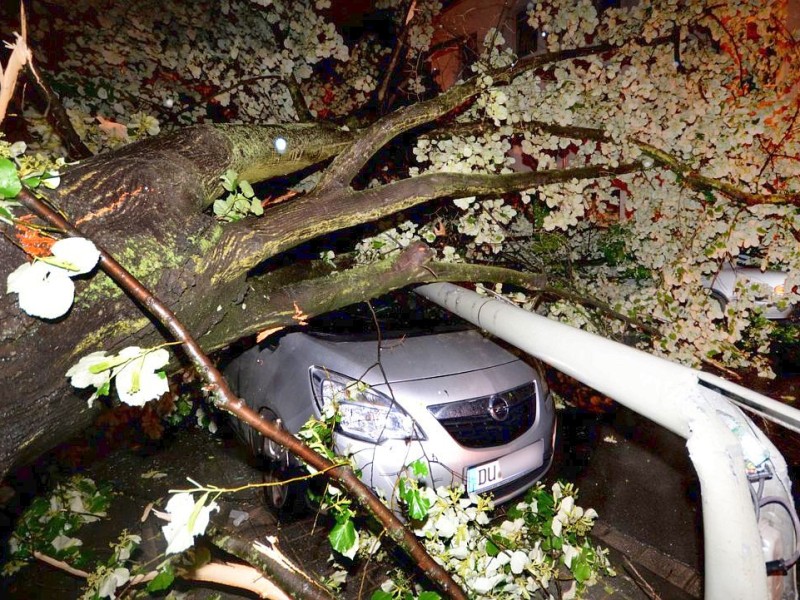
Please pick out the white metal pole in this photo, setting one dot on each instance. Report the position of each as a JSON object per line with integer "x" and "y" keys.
{"x": 666, "y": 393}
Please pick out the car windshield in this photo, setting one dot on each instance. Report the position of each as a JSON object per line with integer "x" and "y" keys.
{"x": 399, "y": 314}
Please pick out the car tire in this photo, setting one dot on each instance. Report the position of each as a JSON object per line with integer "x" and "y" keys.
{"x": 281, "y": 497}
{"x": 285, "y": 499}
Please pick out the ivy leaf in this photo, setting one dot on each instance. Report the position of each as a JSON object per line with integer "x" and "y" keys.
{"x": 161, "y": 581}
{"x": 418, "y": 505}
{"x": 344, "y": 538}
{"x": 10, "y": 184}
{"x": 581, "y": 569}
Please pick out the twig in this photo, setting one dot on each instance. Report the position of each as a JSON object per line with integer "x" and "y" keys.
{"x": 401, "y": 42}
{"x": 243, "y": 577}
{"x": 60, "y": 564}
{"x": 640, "y": 581}
{"x": 58, "y": 117}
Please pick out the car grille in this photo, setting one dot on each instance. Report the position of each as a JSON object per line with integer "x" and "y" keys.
{"x": 489, "y": 421}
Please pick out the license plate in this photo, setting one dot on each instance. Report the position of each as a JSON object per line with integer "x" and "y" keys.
{"x": 484, "y": 477}
{"x": 489, "y": 475}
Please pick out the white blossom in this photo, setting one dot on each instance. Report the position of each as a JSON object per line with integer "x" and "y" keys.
{"x": 180, "y": 533}
{"x": 140, "y": 379}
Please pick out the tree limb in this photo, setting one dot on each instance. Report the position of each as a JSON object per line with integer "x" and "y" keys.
{"x": 691, "y": 177}
{"x": 287, "y": 577}
{"x": 347, "y": 165}
{"x": 57, "y": 116}
{"x": 702, "y": 183}
{"x": 398, "y": 48}
{"x": 237, "y": 576}
{"x": 272, "y": 298}
{"x": 292, "y": 223}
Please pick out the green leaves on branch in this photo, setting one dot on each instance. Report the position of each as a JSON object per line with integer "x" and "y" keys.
{"x": 417, "y": 504}
{"x": 50, "y": 524}
{"x": 344, "y": 538}
{"x": 240, "y": 202}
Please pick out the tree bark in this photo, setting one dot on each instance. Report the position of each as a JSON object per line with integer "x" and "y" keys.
{"x": 144, "y": 203}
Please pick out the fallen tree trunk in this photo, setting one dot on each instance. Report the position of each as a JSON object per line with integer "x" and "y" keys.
{"x": 147, "y": 205}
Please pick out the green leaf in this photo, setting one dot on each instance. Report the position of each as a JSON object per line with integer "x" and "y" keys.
{"x": 581, "y": 569}
{"x": 419, "y": 468}
{"x": 104, "y": 389}
{"x": 6, "y": 216}
{"x": 429, "y": 596}
{"x": 32, "y": 181}
{"x": 256, "y": 208}
{"x": 491, "y": 548}
{"x": 246, "y": 188}
{"x": 343, "y": 537}
{"x": 161, "y": 581}
{"x": 10, "y": 184}
{"x": 418, "y": 505}
{"x": 403, "y": 490}
{"x": 380, "y": 595}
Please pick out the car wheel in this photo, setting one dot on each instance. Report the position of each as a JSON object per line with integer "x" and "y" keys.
{"x": 282, "y": 497}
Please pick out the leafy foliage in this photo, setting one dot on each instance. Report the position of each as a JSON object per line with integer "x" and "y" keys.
{"x": 239, "y": 202}
{"x": 50, "y": 524}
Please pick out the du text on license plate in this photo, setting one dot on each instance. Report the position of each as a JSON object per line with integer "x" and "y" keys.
{"x": 484, "y": 477}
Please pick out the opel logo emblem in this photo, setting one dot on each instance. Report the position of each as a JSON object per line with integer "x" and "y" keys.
{"x": 498, "y": 408}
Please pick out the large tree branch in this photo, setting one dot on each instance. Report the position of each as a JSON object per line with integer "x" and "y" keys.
{"x": 567, "y": 131}
{"x": 292, "y": 223}
{"x": 274, "y": 299}
{"x": 691, "y": 177}
{"x": 348, "y": 164}
{"x": 701, "y": 183}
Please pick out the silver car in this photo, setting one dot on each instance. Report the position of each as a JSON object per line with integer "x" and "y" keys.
{"x": 723, "y": 288}
{"x": 426, "y": 388}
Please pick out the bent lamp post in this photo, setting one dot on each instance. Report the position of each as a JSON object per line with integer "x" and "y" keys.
{"x": 749, "y": 518}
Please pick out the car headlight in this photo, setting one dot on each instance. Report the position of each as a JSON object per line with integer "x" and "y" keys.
{"x": 364, "y": 413}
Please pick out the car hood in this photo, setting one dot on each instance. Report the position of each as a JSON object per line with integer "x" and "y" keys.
{"x": 403, "y": 359}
